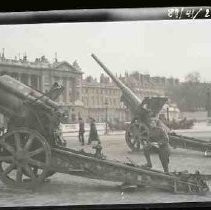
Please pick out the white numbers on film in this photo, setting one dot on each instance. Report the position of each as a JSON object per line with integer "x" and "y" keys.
{"x": 178, "y": 13}
{"x": 207, "y": 13}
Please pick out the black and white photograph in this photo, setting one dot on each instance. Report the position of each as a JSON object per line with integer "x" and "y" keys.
{"x": 110, "y": 112}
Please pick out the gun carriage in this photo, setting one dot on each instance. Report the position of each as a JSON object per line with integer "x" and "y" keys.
{"x": 142, "y": 112}
{"x": 31, "y": 148}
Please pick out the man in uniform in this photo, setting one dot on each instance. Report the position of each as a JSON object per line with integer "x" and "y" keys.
{"x": 93, "y": 135}
{"x": 157, "y": 135}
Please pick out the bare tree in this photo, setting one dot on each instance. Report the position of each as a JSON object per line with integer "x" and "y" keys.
{"x": 193, "y": 77}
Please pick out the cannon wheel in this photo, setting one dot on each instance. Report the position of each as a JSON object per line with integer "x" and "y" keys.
{"x": 135, "y": 134}
{"x": 24, "y": 154}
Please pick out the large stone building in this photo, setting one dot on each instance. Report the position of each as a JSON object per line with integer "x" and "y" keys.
{"x": 83, "y": 97}
{"x": 41, "y": 75}
{"x": 102, "y": 100}
{"x": 145, "y": 85}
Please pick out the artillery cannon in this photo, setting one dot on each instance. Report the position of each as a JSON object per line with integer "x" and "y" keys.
{"x": 30, "y": 150}
{"x": 142, "y": 113}
{"x": 29, "y": 108}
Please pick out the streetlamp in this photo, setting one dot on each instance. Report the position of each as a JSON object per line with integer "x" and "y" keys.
{"x": 106, "y": 106}
{"x": 167, "y": 111}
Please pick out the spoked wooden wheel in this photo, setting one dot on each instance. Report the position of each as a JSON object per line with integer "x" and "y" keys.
{"x": 135, "y": 134}
{"x": 25, "y": 157}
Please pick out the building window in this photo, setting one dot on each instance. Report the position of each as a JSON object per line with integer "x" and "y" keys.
{"x": 34, "y": 82}
{"x": 93, "y": 100}
{"x": 14, "y": 75}
{"x": 24, "y": 79}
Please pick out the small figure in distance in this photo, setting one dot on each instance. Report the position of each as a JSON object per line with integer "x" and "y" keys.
{"x": 98, "y": 149}
{"x": 93, "y": 135}
{"x": 81, "y": 131}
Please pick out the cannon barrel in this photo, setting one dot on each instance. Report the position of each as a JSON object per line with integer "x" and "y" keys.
{"x": 131, "y": 100}
{"x": 14, "y": 94}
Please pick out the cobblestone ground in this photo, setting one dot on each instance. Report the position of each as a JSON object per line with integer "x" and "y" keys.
{"x": 71, "y": 190}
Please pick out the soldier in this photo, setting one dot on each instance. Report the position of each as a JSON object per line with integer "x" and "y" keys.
{"x": 159, "y": 135}
{"x": 98, "y": 150}
{"x": 93, "y": 135}
{"x": 81, "y": 131}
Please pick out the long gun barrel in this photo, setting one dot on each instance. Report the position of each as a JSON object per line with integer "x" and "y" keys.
{"x": 132, "y": 101}
{"x": 118, "y": 82}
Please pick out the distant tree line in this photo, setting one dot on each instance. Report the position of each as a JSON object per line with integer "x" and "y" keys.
{"x": 190, "y": 95}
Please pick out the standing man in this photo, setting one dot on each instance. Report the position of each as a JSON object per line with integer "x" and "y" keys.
{"x": 158, "y": 135}
{"x": 93, "y": 135}
{"x": 81, "y": 131}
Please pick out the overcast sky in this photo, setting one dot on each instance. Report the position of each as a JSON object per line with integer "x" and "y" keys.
{"x": 160, "y": 48}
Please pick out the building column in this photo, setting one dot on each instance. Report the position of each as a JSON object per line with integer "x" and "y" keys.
{"x": 80, "y": 88}
{"x": 29, "y": 80}
{"x": 67, "y": 90}
{"x": 41, "y": 83}
{"x": 73, "y": 90}
{"x": 38, "y": 82}
{"x": 18, "y": 77}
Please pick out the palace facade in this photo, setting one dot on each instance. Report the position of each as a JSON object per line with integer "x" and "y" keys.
{"x": 41, "y": 75}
